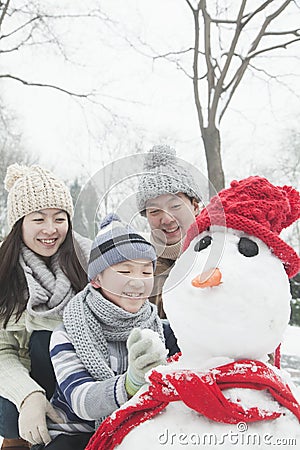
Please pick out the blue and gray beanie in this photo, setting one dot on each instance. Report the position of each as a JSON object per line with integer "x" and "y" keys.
{"x": 117, "y": 242}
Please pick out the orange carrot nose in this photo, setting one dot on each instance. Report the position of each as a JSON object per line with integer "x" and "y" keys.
{"x": 208, "y": 278}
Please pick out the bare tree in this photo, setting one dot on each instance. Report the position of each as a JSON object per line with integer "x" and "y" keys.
{"x": 30, "y": 25}
{"x": 222, "y": 67}
{"x": 231, "y": 38}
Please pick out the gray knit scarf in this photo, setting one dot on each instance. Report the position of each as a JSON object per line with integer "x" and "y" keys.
{"x": 91, "y": 321}
{"x": 48, "y": 287}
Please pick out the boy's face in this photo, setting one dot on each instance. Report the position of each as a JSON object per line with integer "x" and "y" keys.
{"x": 170, "y": 216}
{"x": 127, "y": 284}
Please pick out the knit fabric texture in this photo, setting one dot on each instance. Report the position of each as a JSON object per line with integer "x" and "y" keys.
{"x": 258, "y": 208}
{"x": 201, "y": 392}
{"x": 49, "y": 288}
{"x": 117, "y": 242}
{"x": 91, "y": 321}
{"x": 164, "y": 174}
{"x": 32, "y": 189}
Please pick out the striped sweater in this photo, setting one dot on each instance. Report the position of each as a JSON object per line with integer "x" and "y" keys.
{"x": 80, "y": 399}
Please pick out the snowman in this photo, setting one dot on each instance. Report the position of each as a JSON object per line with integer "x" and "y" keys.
{"x": 228, "y": 302}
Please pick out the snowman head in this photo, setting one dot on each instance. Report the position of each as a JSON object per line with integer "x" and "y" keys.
{"x": 258, "y": 208}
{"x": 228, "y": 294}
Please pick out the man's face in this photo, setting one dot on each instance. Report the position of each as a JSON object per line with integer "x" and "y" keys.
{"x": 170, "y": 216}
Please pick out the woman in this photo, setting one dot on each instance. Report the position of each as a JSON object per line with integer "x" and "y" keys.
{"x": 41, "y": 269}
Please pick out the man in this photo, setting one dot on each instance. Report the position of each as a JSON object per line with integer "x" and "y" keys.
{"x": 168, "y": 197}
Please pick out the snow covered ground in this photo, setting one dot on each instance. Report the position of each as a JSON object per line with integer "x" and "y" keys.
{"x": 290, "y": 351}
{"x": 291, "y": 342}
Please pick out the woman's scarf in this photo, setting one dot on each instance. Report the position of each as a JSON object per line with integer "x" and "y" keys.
{"x": 49, "y": 289}
{"x": 92, "y": 321}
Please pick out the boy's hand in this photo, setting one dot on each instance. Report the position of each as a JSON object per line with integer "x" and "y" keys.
{"x": 144, "y": 353}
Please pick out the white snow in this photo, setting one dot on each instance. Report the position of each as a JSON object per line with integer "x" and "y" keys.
{"x": 291, "y": 341}
{"x": 244, "y": 317}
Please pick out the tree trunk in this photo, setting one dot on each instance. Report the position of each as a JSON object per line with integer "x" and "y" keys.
{"x": 212, "y": 145}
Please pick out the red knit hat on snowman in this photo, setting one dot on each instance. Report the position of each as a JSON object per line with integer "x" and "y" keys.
{"x": 258, "y": 208}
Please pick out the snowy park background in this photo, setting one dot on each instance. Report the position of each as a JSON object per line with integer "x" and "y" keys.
{"x": 128, "y": 96}
{"x": 131, "y": 92}
{"x": 290, "y": 349}
{"x": 83, "y": 84}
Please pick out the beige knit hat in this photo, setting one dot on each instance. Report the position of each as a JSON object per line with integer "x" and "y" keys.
{"x": 31, "y": 189}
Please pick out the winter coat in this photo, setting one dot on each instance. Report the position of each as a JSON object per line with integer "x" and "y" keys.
{"x": 15, "y": 380}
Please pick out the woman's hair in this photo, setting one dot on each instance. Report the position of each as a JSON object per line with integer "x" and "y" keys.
{"x": 13, "y": 286}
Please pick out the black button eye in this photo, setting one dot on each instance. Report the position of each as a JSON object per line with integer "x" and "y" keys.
{"x": 203, "y": 243}
{"x": 247, "y": 247}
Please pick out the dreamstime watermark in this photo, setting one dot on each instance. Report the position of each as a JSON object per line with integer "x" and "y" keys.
{"x": 238, "y": 437}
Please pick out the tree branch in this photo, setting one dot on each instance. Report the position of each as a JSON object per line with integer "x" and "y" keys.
{"x": 4, "y": 12}
{"x": 195, "y": 68}
{"x": 3, "y": 36}
{"x": 274, "y": 47}
{"x": 266, "y": 23}
{"x": 20, "y": 44}
{"x": 191, "y": 6}
{"x": 223, "y": 21}
{"x": 258, "y": 10}
{"x": 236, "y": 79}
{"x": 235, "y": 82}
{"x": 51, "y": 86}
{"x": 180, "y": 52}
{"x": 248, "y": 17}
{"x": 296, "y": 32}
{"x": 219, "y": 86}
{"x": 276, "y": 78}
{"x": 269, "y": 75}
{"x": 207, "y": 50}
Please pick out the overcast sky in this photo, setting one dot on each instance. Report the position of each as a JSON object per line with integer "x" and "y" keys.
{"x": 152, "y": 101}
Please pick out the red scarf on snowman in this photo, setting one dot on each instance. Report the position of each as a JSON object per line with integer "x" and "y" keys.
{"x": 202, "y": 392}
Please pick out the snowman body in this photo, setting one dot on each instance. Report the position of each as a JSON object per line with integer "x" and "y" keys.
{"x": 180, "y": 427}
{"x": 244, "y": 316}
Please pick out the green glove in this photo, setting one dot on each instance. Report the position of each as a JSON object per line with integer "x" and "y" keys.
{"x": 145, "y": 351}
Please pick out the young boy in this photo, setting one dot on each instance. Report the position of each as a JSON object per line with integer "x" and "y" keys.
{"x": 99, "y": 354}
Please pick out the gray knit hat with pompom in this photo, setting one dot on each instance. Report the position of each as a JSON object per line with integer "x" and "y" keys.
{"x": 164, "y": 174}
